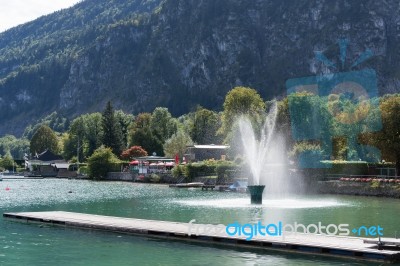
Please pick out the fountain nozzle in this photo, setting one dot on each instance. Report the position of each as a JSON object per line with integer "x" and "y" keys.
{"x": 256, "y": 193}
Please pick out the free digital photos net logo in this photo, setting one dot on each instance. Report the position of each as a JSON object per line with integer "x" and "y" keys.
{"x": 280, "y": 229}
{"x": 349, "y": 99}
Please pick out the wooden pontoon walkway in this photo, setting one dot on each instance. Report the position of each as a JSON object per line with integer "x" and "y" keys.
{"x": 349, "y": 247}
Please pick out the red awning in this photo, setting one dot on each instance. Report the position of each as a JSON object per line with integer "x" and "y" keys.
{"x": 134, "y": 162}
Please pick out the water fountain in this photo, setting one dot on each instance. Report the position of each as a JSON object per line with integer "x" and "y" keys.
{"x": 258, "y": 151}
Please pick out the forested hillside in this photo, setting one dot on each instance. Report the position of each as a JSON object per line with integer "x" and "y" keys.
{"x": 183, "y": 53}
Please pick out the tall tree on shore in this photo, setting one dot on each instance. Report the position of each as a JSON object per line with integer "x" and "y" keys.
{"x": 112, "y": 135}
{"x": 238, "y": 102}
{"x": 162, "y": 124}
{"x": 177, "y": 144}
{"x": 388, "y": 138}
{"x": 205, "y": 127}
{"x": 141, "y": 135}
{"x": 44, "y": 139}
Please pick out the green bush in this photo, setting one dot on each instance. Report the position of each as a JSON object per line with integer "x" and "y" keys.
{"x": 101, "y": 162}
{"x": 222, "y": 169}
{"x": 7, "y": 163}
{"x": 154, "y": 178}
{"x": 345, "y": 167}
{"x": 199, "y": 169}
{"x": 84, "y": 170}
{"x": 116, "y": 167}
{"x": 375, "y": 184}
{"x": 226, "y": 172}
{"x": 178, "y": 171}
{"x": 20, "y": 169}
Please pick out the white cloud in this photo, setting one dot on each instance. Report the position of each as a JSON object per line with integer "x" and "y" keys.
{"x": 15, "y": 12}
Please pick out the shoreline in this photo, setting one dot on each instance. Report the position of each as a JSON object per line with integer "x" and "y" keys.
{"x": 353, "y": 188}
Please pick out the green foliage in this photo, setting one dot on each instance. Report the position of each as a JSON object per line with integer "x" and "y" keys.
{"x": 124, "y": 120}
{"x": 302, "y": 146}
{"x": 112, "y": 133}
{"x": 101, "y": 162}
{"x": 84, "y": 170}
{"x": 85, "y": 131}
{"x": 345, "y": 167}
{"x": 225, "y": 170}
{"x": 55, "y": 121}
{"x": 35, "y": 59}
{"x": 375, "y": 184}
{"x": 16, "y": 147}
{"x": 314, "y": 119}
{"x": 177, "y": 144}
{"x": 387, "y": 139}
{"x": 193, "y": 170}
{"x": 44, "y": 139}
{"x": 154, "y": 178}
{"x": 178, "y": 171}
{"x": 241, "y": 101}
{"x": 162, "y": 125}
{"x": 7, "y": 162}
{"x": 205, "y": 126}
{"x": 141, "y": 135}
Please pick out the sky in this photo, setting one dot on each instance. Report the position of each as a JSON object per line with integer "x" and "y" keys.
{"x": 15, "y": 12}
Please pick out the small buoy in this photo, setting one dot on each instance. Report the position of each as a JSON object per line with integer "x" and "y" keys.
{"x": 7, "y": 188}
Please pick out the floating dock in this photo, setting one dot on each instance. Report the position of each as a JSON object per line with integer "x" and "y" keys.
{"x": 338, "y": 246}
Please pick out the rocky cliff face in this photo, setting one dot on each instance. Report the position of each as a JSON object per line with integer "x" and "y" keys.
{"x": 180, "y": 53}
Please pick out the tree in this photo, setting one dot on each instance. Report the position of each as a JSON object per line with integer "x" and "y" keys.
{"x": 94, "y": 133}
{"x": 133, "y": 152}
{"x": 205, "y": 127}
{"x": 238, "y": 102}
{"x": 112, "y": 135}
{"x": 144, "y": 137}
{"x": 141, "y": 135}
{"x": 7, "y": 162}
{"x": 44, "y": 139}
{"x": 311, "y": 124}
{"x": 5, "y": 143}
{"x": 75, "y": 140}
{"x": 101, "y": 162}
{"x": 387, "y": 139}
{"x": 124, "y": 120}
{"x": 162, "y": 124}
{"x": 69, "y": 146}
{"x": 16, "y": 147}
{"x": 85, "y": 131}
{"x": 177, "y": 144}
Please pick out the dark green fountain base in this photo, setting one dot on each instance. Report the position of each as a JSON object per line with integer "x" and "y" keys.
{"x": 256, "y": 194}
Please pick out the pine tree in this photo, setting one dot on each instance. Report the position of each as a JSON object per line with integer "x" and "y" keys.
{"x": 112, "y": 134}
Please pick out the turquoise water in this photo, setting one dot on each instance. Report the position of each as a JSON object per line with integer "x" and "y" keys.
{"x": 35, "y": 244}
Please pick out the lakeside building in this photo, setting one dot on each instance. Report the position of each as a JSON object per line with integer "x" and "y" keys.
{"x": 151, "y": 164}
{"x": 47, "y": 164}
{"x": 195, "y": 153}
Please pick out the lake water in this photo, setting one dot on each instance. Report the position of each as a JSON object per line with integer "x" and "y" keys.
{"x": 35, "y": 244}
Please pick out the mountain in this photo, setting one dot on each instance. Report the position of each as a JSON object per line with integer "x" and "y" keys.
{"x": 180, "y": 53}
